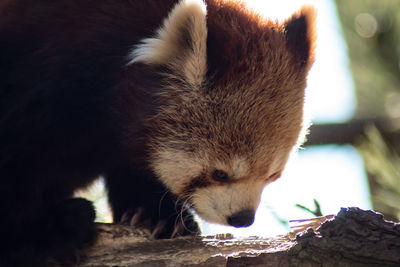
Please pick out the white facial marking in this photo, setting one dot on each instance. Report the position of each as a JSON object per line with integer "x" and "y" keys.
{"x": 217, "y": 203}
{"x": 237, "y": 168}
{"x": 277, "y": 163}
{"x": 240, "y": 167}
{"x": 187, "y": 17}
{"x": 176, "y": 168}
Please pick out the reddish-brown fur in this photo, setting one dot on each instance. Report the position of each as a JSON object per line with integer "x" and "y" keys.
{"x": 74, "y": 105}
{"x": 266, "y": 82}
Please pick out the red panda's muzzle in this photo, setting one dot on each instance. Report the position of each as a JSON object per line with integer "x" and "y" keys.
{"x": 242, "y": 218}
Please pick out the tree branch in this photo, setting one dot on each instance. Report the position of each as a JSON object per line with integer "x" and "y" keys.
{"x": 350, "y": 132}
{"x": 353, "y": 238}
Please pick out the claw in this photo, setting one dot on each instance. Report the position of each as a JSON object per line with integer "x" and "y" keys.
{"x": 125, "y": 217}
{"x": 177, "y": 230}
{"x": 158, "y": 229}
{"x": 136, "y": 217}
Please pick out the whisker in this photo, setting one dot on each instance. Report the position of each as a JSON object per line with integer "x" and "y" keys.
{"x": 184, "y": 208}
{"x": 160, "y": 202}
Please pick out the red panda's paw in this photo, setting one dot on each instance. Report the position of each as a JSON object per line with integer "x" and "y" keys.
{"x": 172, "y": 226}
{"x": 54, "y": 234}
{"x": 72, "y": 227}
{"x": 182, "y": 224}
{"x": 135, "y": 218}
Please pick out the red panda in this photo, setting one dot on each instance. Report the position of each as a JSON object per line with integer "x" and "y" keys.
{"x": 179, "y": 105}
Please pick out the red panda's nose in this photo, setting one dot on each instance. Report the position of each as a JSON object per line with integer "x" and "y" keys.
{"x": 242, "y": 218}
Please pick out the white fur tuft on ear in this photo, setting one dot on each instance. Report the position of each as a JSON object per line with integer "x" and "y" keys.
{"x": 179, "y": 43}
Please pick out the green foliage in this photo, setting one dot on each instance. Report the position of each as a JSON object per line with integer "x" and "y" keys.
{"x": 383, "y": 166}
{"x": 317, "y": 210}
{"x": 372, "y": 31}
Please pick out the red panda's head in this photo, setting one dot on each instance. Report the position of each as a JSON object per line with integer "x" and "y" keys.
{"x": 232, "y": 103}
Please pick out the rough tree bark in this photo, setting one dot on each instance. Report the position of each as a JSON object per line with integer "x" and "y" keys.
{"x": 352, "y": 238}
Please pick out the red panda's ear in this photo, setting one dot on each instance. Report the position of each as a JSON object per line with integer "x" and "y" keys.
{"x": 300, "y": 34}
{"x": 179, "y": 44}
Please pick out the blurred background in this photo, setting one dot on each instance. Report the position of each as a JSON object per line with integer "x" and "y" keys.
{"x": 351, "y": 156}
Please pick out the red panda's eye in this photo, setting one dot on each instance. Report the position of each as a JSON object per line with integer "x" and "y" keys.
{"x": 273, "y": 176}
{"x": 220, "y": 176}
